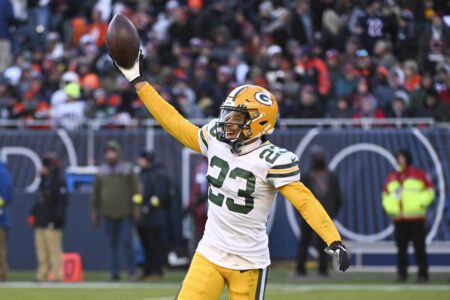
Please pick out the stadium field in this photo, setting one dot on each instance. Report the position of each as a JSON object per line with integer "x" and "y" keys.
{"x": 163, "y": 291}
{"x": 282, "y": 286}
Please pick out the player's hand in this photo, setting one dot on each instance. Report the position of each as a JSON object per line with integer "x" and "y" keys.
{"x": 135, "y": 73}
{"x": 338, "y": 249}
{"x": 2, "y": 202}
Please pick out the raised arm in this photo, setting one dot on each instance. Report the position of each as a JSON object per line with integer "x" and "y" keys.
{"x": 166, "y": 115}
{"x": 169, "y": 118}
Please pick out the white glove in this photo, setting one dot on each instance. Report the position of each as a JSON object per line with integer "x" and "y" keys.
{"x": 134, "y": 74}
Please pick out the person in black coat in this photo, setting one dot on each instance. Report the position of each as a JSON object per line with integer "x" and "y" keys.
{"x": 48, "y": 216}
{"x": 325, "y": 185}
{"x": 152, "y": 214}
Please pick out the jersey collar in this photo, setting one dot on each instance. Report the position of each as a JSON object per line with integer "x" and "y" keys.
{"x": 247, "y": 146}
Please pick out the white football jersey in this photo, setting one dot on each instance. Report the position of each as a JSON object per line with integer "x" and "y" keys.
{"x": 242, "y": 188}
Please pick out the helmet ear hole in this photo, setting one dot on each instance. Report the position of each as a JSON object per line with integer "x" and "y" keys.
{"x": 263, "y": 123}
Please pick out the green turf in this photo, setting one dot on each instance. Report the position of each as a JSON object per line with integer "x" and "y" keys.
{"x": 153, "y": 293}
{"x": 282, "y": 285}
{"x": 278, "y": 274}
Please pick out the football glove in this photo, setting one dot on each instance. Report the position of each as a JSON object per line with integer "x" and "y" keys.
{"x": 338, "y": 249}
{"x": 135, "y": 74}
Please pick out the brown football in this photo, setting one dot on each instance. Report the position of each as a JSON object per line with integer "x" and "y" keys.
{"x": 122, "y": 41}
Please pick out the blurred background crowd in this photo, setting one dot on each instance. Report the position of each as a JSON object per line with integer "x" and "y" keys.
{"x": 321, "y": 59}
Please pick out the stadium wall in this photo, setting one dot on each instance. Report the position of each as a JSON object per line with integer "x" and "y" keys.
{"x": 361, "y": 157}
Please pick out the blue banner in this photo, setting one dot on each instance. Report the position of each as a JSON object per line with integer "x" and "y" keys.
{"x": 362, "y": 159}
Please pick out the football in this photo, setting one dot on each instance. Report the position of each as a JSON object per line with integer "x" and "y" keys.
{"x": 122, "y": 41}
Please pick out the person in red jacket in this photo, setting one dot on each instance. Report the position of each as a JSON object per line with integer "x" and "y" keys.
{"x": 406, "y": 196}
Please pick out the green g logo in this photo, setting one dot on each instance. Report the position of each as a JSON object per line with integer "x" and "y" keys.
{"x": 263, "y": 98}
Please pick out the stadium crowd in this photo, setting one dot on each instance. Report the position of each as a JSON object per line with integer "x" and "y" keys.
{"x": 334, "y": 59}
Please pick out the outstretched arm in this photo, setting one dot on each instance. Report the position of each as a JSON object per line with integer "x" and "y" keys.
{"x": 316, "y": 216}
{"x": 311, "y": 210}
{"x": 169, "y": 118}
{"x": 166, "y": 115}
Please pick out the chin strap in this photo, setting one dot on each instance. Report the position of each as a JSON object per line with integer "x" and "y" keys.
{"x": 237, "y": 146}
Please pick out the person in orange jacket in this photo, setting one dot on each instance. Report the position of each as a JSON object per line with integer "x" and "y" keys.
{"x": 406, "y": 196}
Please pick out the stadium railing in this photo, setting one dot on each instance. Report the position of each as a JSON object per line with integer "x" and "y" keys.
{"x": 133, "y": 123}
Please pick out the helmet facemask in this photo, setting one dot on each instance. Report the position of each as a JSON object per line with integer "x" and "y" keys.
{"x": 233, "y": 125}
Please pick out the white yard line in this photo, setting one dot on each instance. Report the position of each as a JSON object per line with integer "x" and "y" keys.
{"x": 86, "y": 285}
{"x": 276, "y": 287}
{"x": 359, "y": 287}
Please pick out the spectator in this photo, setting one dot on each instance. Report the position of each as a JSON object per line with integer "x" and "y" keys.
{"x": 371, "y": 25}
{"x": 432, "y": 43}
{"x": 115, "y": 191}
{"x": 48, "y": 216}
{"x": 343, "y": 109}
{"x": 181, "y": 30}
{"x": 419, "y": 94}
{"x": 382, "y": 90}
{"x": 6, "y": 19}
{"x": 368, "y": 109}
{"x": 346, "y": 82}
{"x": 442, "y": 82}
{"x": 96, "y": 31}
{"x": 333, "y": 64}
{"x": 274, "y": 20}
{"x": 71, "y": 113}
{"x": 55, "y": 46}
{"x": 434, "y": 108}
{"x": 5, "y": 222}
{"x": 325, "y": 185}
{"x": 312, "y": 70}
{"x": 302, "y": 27}
{"x": 412, "y": 76}
{"x": 382, "y": 54}
{"x": 38, "y": 22}
{"x": 364, "y": 64}
{"x": 333, "y": 31}
{"x": 362, "y": 91}
{"x": 406, "y": 196}
{"x": 396, "y": 78}
{"x": 400, "y": 105}
{"x": 309, "y": 106}
{"x": 406, "y": 46}
{"x": 152, "y": 218}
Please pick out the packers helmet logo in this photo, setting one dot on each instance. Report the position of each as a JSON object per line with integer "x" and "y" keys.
{"x": 263, "y": 98}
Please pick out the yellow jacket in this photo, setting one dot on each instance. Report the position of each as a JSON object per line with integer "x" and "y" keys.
{"x": 407, "y": 194}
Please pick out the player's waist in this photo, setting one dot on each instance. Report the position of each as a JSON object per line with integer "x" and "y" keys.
{"x": 234, "y": 261}
{"x": 238, "y": 244}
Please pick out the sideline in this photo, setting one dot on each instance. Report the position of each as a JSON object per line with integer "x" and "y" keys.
{"x": 276, "y": 286}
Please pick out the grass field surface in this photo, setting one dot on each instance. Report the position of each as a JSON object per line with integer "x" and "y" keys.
{"x": 282, "y": 286}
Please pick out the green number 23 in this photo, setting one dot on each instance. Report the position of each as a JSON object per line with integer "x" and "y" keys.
{"x": 235, "y": 173}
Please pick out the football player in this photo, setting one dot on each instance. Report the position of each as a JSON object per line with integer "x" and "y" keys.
{"x": 245, "y": 173}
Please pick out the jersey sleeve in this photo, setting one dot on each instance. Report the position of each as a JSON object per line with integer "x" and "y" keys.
{"x": 169, "y": 118}
{"x": 205, "y": 135}
{"x": 284, "y": 170}
{"x": 311, "y": 210}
